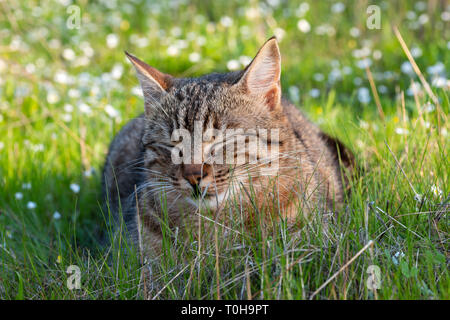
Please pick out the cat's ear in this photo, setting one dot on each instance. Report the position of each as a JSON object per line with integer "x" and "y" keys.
{"x": 154, "y": 83}
{"x": 262, "y": 76}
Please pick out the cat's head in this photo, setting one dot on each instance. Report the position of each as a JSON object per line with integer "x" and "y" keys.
{"x": 207, "y": 138}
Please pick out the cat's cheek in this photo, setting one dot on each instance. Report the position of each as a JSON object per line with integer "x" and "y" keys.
{"x": 150, "y": 157}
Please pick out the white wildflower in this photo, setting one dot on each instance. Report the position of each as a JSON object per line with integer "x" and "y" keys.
{"x": 436, "y": 191}
{"x": 314, "y": 92}
{"x": 226, "y": 21}
{"x": 173, "y": 50}
{"x": 233, "y": 65}
{"x": 354, "y": 32}
{"x": 364, "y": 95}
{"x": 304, "y": 26}
{"x": 111, "y": 111}
{"x": 401, "y": 131}
{"x": 56, "y": 215}
{"x": 31, "y": 205}
{"x": 69, "y": 54}
{"x": 194, "y": 57}
{"x": 26, "y": 185}
{"x": 112, "y": 40}
{"x": 245, "y": 60}
{"x": 338, "y": 7}
{"x": 52, "y": 97}
{"x": 74, "y": 187}
{"x": 84, "y": 108}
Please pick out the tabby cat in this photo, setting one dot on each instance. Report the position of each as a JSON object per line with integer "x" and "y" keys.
{"x": 142, "y": 180}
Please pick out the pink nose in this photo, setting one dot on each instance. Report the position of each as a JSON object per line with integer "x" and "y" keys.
{"x": 194, "y": 172}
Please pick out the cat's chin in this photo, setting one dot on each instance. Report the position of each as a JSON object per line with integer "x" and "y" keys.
{"x": 211, "y": 202}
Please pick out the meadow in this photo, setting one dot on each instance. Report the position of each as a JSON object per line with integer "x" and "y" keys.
{"x": 66, "y": 89}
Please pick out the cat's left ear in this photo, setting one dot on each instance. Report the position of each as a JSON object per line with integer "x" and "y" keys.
{"x": 154, "y": 83}
{"x": 262, "y": 75}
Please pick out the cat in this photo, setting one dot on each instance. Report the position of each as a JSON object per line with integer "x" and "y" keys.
{"x": 142, "y": 180}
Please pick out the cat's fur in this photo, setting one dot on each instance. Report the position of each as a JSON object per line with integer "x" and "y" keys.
{"x": 309, "y": 178}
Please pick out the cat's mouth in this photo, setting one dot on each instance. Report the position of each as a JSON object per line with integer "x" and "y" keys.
{"x": 205, "y": 198}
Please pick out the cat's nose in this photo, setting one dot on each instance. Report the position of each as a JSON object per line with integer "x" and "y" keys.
{"x": 194, "y": 173}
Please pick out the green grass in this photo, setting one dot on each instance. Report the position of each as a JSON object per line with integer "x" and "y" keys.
{"x": 47, "y": 143}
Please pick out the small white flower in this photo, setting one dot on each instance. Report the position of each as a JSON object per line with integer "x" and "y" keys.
{"x": 75, "y": 187}
{"x": 61, "y": 76}
{"x": 302, "y": 9}
{"x": 273, "y": 3}
{"x": 56, "y": 215}
{"x": 194, "y": 57}
{"x": 398, "y": 255}
{"x": 233, "y": 65}
{"x": 117, "y": 71}
{"x": 440, "y": 82}
{"x": 226, "y": 21}
{"x": 411, "y": 15}
{"x": 69, "y": 54}
{"x": 52, "y": 97}
{"x": 26, "y": 185}
{"x": 407, "y": 68}
{"x": 334, "y": 75}
{"x": 364, "y": 63}
{"x": 377, "y": 55}
{"x": 31, "y": 205}
{"x": 201, "y": 41}
{"x": 347, "y": 70}
{"x": 176, "y": 32}
{"x": 364, "y": 95}
{"x": 294, "y": 93}
{"x": 314, "y": 92}
{"x": 354, "y": 32}
{"x": 318, "y": 77}
{"x": 436, "y": 191}
{"x": 363, "y": 124}
{"x": 423, "y": 18}
{"x": 84, "y": 108}
{"x": 173, "y": 50}
{"x": 68, "y": 107}
{"x": 418, "y": 198}
{"x": 382, "y": 89}
{"x": 401, "y": 131}
{"x": 279, "y": 33}
{"x": 30, "y": 68}
{"x": 88, "y": 173}
{"x": 113, "y": 113}
{"x": 87, "y": 49}
{"x": 445, "y": 16}
{"x": 338, "y": 7}
{"x": 420, "y": 6}
{"x": 304, "y": 26}
{"x": 436, "y": 69}
{"x": 66, "y": 117}
{"x": 19, "y": 195}
{"x": 245, "y": 60}
{"x": 74, "y": 93}
{"x": 416, "y": 52}
{"x": 137, "y": 91}
{"x": 112, "y": 40}
{"x": 414, "y": 89}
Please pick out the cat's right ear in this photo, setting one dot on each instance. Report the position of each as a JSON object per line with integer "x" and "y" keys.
{"x": 262, "y": 76}
{"x": 154, "y": 83}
